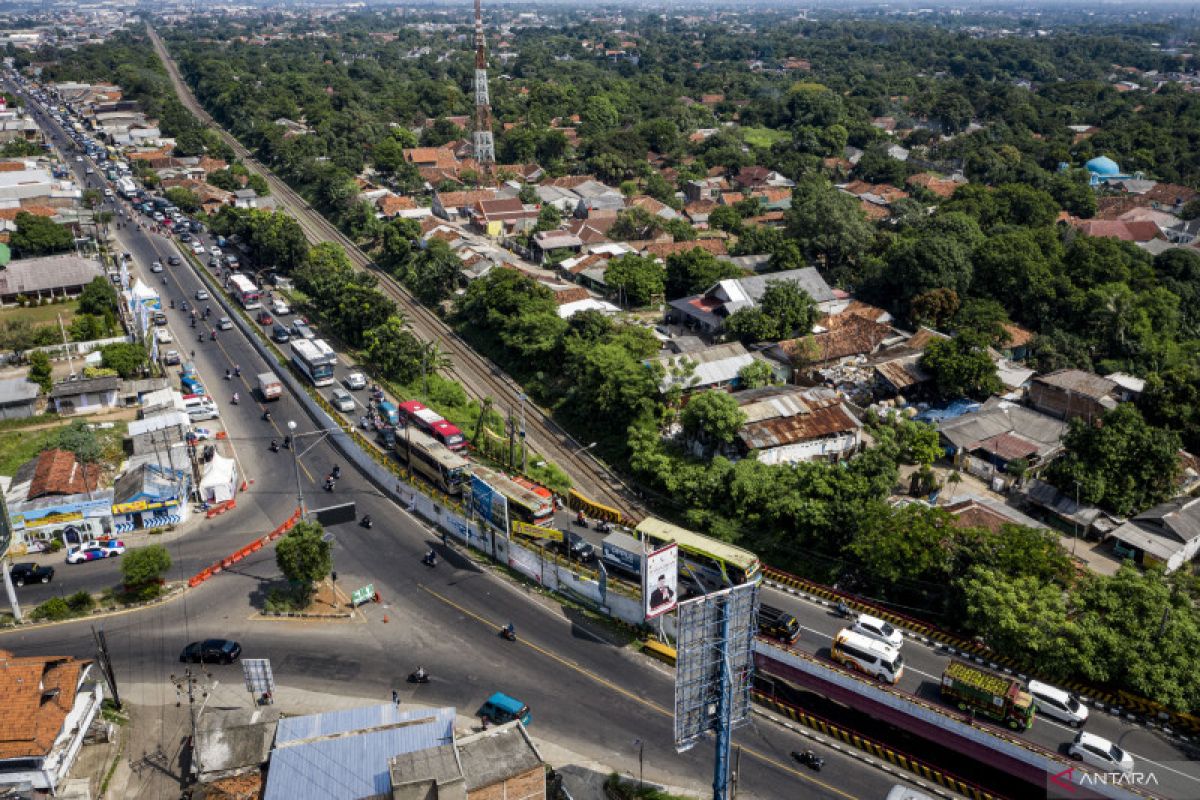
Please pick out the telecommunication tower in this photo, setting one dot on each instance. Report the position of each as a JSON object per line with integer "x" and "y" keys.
{"x": 484, "y": 146}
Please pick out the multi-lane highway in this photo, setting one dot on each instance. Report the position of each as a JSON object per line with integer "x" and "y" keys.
{"x": 587, "y": 693}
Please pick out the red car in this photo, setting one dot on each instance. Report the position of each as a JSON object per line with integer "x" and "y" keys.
{"x": 264, "y": 317}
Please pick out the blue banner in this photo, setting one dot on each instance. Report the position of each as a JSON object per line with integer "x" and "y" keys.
{"x": 489, "y": 504}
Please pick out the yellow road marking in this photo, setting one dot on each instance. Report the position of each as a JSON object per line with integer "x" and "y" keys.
{"x": 763, "y": 757}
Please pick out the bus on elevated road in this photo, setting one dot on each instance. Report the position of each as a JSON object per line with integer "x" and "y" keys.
{"x": 315, "y": 359}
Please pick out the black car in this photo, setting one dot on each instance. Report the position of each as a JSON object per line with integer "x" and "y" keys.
{"x": 212, "y": 651}
{"x": 173, "y": 261}
{"x": 29, "y": 572}
{"x": 576, "y": 548}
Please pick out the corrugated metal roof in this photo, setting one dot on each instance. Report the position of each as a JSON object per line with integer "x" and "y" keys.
{"x": 344, "y": 754}
{"x": 801, "y": 427}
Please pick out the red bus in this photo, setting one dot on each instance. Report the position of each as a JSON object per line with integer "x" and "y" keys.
{"x": 433, "y": 423}
{"x": 245, "y": 291}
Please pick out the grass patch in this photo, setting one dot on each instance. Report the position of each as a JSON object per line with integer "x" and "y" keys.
{"x": 16, "y": 449}
{"x": 764, "y": 137}
{"x": 623, "y": 789}
{"x": 41, "y": 315}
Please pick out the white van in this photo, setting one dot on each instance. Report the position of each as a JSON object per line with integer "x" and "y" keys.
{"x": 1057, "y": 704}
{"x": 901, "y": 792}
{"x": 200, "y": 407}
{"x": 868, "y": 656}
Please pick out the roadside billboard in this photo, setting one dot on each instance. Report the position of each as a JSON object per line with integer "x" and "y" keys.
{"x": 489, "y": 504}
{"x": 660, "y": 581}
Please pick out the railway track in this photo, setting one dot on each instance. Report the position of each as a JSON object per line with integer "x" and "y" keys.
{"x": 477, "y": 375}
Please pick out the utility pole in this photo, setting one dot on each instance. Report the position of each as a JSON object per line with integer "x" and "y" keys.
{"x": 105, "y": 662}
{"x": 188, "y": 683}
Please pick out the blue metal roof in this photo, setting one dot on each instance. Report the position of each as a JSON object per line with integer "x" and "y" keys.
{"x": 343, "y": 755}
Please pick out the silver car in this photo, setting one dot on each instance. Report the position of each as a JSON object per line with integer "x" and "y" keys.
{"x": 342, "y": 400}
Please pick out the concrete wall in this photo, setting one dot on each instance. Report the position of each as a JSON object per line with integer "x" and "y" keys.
{"x": 529, "y": 785}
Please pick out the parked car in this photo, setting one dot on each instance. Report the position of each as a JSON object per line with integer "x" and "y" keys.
{"x": 878, "y": 629}
{"x": 171, "y": 358}
{"x": 342, "y": 400}
{"x": 264, "y": 317}
{"x": 29, "y": 572}
{"x": 1100, "y": 752}
{"x": 211, "y": 651}
{"x": 356, "y": 380}
{"x": 201, "y": 294}
{"x": 95, "y": 550}
{"x": 163, "y": 336}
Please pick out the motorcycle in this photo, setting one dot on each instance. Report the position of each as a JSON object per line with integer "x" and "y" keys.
{"x": 604, "y": 526}
{"x": 430, "y": 559}
{"x": 842, "y": 610}
{"x": 366, "y": 521}
{"x": 266, "y": 415}
{"x": 420, "y": 676}
{"x": 234, "y": 401}
{"x": 329, "y": 484}
{"x": 212, "y": 335}
{"x": 274, "y": 446}
{"x": 287, "y": 443}
{"x": 581, "y": 520}
{"x": 809, "y": 759}
{"x": 509, "y": 633}
{"x": 337, "y": 473}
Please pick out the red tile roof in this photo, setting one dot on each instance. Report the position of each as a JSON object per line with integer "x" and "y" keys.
{"x": 58, "y": 472}
{"x": 1139, "y": 231}
{"x": 36, "y": 695}
{"x": 664, "y": 249}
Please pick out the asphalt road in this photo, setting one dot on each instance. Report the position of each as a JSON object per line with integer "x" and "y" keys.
{"x": 1173, "y": 761}
{"x": 586, "y": 693}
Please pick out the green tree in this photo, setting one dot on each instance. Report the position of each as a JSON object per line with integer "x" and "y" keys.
{"x": 303, "y": 556}
{"x": 129, "y": 359}
{"x": 145, "y": 565}
{"x": 961, "y": 366}
{"x": 549, "y": 218}
{"x": 756, "y": 375}
{"x": 906, "y": 543}
{"x": 712, "y": 418}
{"x": 695, "y": 271}
{"x": 39, "y": 236}
{"x": 185, "y": 199}
{"x": 40, "y": 372}
{"x": 828, "y": 224}
{"x": 1123, "y": 463}
{"x": 791, "y": 309}
{"x": 638, "y": 280}
{"x": 725, "y": 218}
{"x": 393, "y": 350}
{"x": 750, "y": 325}
{"x": 434, "y": 272}
{"x": 599, "y": 115}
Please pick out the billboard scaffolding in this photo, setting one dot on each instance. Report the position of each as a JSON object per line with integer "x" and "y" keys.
{"x": 713, "y": 673}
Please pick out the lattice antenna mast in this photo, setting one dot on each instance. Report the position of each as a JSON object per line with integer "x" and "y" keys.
{"x": 484, "y": 146}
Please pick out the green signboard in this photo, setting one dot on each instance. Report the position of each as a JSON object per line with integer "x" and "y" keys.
{"x": 362, "y": 595}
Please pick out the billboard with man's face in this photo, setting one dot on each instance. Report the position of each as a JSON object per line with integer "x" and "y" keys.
{"x": 660, "y": 581}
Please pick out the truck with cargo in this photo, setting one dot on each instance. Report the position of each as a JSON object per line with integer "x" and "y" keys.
{"x": 622, "y": 552}
{"x": 269, "y": 386}
{"x": 979, "y": 691}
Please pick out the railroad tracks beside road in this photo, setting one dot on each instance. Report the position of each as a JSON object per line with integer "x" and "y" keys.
{"x": 478, "y": 376}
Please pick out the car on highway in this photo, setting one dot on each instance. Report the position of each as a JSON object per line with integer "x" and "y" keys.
{"x": 108, "y": 192}
{"x": 211, "y": 651}
{"x": 95, "y": 550}
{"x": 156, "y": 267}
{"x": 878, "y": 629}
{"x": 198, "y": 248}
{"x": 1057, "y": 704}
{"x": 280, "y": 333}
{"x": 342, "y": 400}
{"x": 29, "y": 572}
{"x": 280, "y": 308}
{"x": 264, "y": 317}
{"x": 157, "y": 216}
{"x": 171, "y": 358}
{"x": 185, "y": 237}
{"x": 225, "y": 324}
{"x": 213, "y": 263}
{"x": 214, "y": 251}
{"x": 173, "y": 261}
{"x": 201, "y": 294}
{"x": 163, "y": 336}
{"x": 356, "y": 380}
{"x": 1100, "y": 753}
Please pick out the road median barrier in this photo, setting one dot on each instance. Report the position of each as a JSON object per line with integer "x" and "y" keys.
{"x": 239, "y": 554}
{"x": 663, "y": 652}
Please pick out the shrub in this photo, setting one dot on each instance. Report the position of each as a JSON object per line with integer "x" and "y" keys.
{"x": 52, "y": 609}
{"x": 81, "y": 602}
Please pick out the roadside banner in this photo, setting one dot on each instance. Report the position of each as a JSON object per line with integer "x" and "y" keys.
{"x": 660, "y": 579}
{"x": 536, "y": 531}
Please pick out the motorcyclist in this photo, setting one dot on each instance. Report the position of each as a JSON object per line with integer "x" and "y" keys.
{"x": 580, "y": 518}
{"x": 235, "y": 398}
{"x": 228, "y": 374}
{"x": 509, "y": 631}
{"x": 421, "y": 674}
{"x": 366, "y": 520}
{"x": 337, "y": 471}
{"x": 237, "y": 371}
{"x": 843, "y": 610}
{"x": 266, "y": 415}
{"x": 287, "y": 442}
{"x": 274, "y": 446}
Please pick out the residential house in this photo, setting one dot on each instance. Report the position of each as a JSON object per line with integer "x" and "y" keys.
{"x": 498, "y": 763}
{"x": 1070, "y": 393}
{"x": 347, "y": 754}
{"x": 835, "y": 337}
{"x": 562, "y": 198}
{"x": 705, "y": 189}
{"x": 976, "y": 511}
{"x": 697, "y": 213}
{"x": 935, "y": 184}
{"x": 594, "y": 203}
{"x": 47, "y": 706}
{"x": 458, "y": 205}
{"x": 556, "y": 242}
{"x": 788, "y": 425}
{"x": 248, "y": 198}
{"x": 709, "y": 310}
{"x": 760, "y": 178}
{"x": 661, "y": 249}
{"x": 47, "y": 276}
{"x": 436, "y": 157}
{"x": 896, "y": 370}
{"x": 393, "y": 206}
{"x": 85, "y": 395}
{"x": 1140, "y": 231}
{"x": 53, "y": 496}
{"x": 713, "y": 367}
{"x": 656, "y": 208}
{"x": 1017, "y": 348}
{"x": 1168, "y": 534}
{"x": 986, "y": 441}
{"x": 18, "y": 398}
{"x": 1184, "y": 232}
{"x": 503, "y": 216}
{"x": 158, "y": 432}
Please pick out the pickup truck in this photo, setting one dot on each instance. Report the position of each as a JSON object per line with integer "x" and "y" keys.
{"x": 29, "y": 572}
{"x": 269, "y": 386}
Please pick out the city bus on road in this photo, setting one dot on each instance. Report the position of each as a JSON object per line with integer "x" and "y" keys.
{"x": 716, "y": 563}
{"x": 245, "y": 291}
{"x": 432, "y": 460}
{"x": 432, "y": 423}
{"x": 315, "y": 359}
{"x": 524, "y": 504}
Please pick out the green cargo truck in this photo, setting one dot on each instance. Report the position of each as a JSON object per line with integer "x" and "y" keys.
{"x": 982, "y": 692}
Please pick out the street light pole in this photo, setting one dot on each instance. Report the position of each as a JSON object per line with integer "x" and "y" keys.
{"x": 297, "y": 455}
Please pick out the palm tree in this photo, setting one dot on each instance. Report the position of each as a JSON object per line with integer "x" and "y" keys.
{"x": 432, "y": 360}
{"x": 954, "y": 479}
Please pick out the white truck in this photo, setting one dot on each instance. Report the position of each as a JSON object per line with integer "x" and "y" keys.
{"x": 269, "y": 386}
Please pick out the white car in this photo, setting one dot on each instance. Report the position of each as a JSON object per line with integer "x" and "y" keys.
{"x": 214, "y": 251}
{"x": 280, "y": 308}
{"x": 225, "y": 324}
{"x": 108, "y": 192}
{"x": 171, "y": 358}
{"x": 95, "y": 550}
{"x": 163, "y": 336}
{"x": 342, "y": 400}
{"x": 878, "y": 629}
{"x": 356, "y": 380}
{"x": 1100, "y": 753}
{"x": 78, "y": 159}
{"x": 1057, "y": 704}
{"x": 156, "y": 267}
{"x": 198, "y": 248}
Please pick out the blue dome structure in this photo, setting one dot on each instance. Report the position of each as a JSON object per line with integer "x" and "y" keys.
{"x": 1103, "y": 166}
